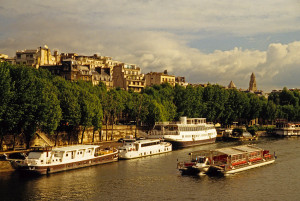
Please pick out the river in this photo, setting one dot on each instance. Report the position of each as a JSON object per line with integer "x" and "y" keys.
{"x": 156, "y": 178}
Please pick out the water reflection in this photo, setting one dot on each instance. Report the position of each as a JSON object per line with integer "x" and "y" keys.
{"x": 156, "y": 178}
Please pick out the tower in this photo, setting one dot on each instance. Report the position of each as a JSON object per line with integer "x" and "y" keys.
{"x": 231, "y": 85}
{"x": 252, "y": 83}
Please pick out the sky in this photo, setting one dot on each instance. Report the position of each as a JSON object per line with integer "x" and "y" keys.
{"x": 203, "y": 40}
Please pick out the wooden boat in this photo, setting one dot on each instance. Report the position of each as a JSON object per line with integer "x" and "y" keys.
{"x": 46, "y": 160}
{"x": 226, "y": 160}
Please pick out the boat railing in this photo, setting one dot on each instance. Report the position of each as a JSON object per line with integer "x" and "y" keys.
{"x": 167, "y": 122}
{"x": 156, "y": 132}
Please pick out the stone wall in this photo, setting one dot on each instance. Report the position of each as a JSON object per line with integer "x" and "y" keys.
{"x": 42, "y": 139}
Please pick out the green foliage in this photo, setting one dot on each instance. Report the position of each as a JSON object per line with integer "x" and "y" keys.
{"x": 32, "y": 100}
{"x": 252, "y": 130}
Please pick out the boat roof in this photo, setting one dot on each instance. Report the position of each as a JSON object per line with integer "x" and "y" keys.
{"x": 238, "y": 149}
{"x": 74, "y": 147}
{"x": 147, "y": 140}
{"x": 141, "y": 141}
{"x": 232, "y": 150}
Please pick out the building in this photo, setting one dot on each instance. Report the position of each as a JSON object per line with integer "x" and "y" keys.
{"x": 181, "y": 81}
{"x": 231, "y": 85}
{"x": 252, "y": 83}
{"x": 103, "y": 75}
{"x": 70, "y": 70}
{"x": 37, "y": 57}
{"x": 154, "y": 78}
{"x": 128, "y": 77}
{"x": 3, "y": 57}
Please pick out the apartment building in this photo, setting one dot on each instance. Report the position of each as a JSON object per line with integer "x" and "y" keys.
{"x": 154, "y": 78}
{"x": 128, "y": 77}
{"x": 70, "y": 70}
{"x": 37, "y": 57}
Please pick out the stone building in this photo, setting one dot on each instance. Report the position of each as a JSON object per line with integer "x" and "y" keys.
{"x": 154, "y": 78}
{"x": 231, "y": 85}
{"x": 70, "y": 70}
{"x": 37, "y": 57}
{"x": 252, "y": 83}
{"x": 181, "y": 81}
{"x": 102, "y": 74}
{"x": 128, "y": 77}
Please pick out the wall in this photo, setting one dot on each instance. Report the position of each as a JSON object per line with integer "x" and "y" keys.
{"x": 42, "y": 139}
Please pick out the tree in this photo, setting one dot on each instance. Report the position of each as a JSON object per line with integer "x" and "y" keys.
{"x": 6, "y": 94}
{"x": 35, "y": 103}
{"x": 68, "y": 97}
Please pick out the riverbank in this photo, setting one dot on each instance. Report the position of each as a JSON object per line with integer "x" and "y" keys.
{"x": 5, "y": 166}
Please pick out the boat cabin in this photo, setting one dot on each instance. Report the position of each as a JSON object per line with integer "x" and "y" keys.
{"x": 232, "y": 156}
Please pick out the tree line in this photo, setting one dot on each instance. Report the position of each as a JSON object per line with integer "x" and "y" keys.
{"x": 33, "y": 100}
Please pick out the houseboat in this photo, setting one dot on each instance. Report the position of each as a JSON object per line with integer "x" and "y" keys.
{"x": 46, "y": 160}
{"x": 133, "y": 148}
{"x": 187, "y": 132}
{"x": 226, "y": 160}
{"x": 287, "y": 129}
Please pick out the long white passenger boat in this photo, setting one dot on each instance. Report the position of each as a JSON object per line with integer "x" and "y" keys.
{"x": 187, "y": 132}
{"x": 226, "y": 160}
{"x": 287, "y": 129}
{"x": 133, "y": 148}
{"x": 46, "y": 160}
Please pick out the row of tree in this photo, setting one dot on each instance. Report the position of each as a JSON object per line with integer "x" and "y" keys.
{"x": 32, "y": 100}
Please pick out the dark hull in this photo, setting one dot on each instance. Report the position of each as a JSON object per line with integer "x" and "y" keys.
{"x": 179, "y": 144}
{"x": 189, "y": 171}
{"x": 42, "y": 170}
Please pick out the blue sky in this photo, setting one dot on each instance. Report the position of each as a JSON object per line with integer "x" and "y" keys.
{"x": 203, "y": 40}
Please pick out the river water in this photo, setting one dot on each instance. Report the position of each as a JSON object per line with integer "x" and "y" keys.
{"x": 156, "y": 178}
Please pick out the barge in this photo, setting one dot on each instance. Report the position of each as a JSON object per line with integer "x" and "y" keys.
{"x": 185, "y": 133}
{"x": 46, "y": 160}
{"x": 226, "y": 161}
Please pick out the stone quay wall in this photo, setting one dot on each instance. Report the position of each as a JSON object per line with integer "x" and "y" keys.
{"x": 63, "y": 138}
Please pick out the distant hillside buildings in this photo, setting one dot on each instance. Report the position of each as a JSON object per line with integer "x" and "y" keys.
{"x": 96, "y": 69}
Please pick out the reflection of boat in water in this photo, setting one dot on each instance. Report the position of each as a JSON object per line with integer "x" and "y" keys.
{"x": 46, "y": 160}
{"x": 186, "y": 132}
{"x": 226, "y": 160}
{"x": 133, "y": 148}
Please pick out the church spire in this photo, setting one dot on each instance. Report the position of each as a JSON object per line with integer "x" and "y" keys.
{"x": 252, "y": 83}
{"x": 231, "y": 85}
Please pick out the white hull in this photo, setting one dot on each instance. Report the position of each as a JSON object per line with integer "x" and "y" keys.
{"x": 187, "y": 132}
{"x": 248, "y": 167}
{"x": 138, "y": 154}
{"x": 138, "y": 149}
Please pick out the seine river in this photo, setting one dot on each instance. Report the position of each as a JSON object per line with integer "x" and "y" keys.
{"x": 156, "y": 178}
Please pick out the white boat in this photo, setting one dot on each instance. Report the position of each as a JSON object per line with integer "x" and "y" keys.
{"x": 226, "y": 160}
{"x": 287, "y": 129}
{"x": 187, "y": 132}
{"x": 133, "y": 148}
{"x": 46, "y": 160}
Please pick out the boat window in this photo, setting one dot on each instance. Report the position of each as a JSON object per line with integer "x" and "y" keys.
{"x": 157, "y": 127}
